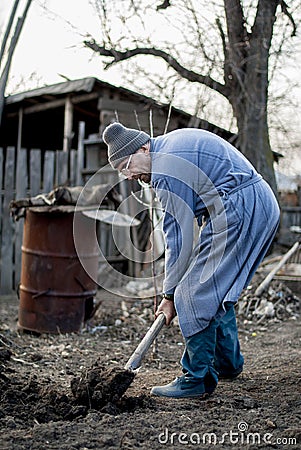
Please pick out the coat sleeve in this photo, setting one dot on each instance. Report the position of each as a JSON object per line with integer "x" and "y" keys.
{"x": 178, "y": 203}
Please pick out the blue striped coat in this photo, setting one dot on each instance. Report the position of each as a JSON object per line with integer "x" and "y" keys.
{"x": 198, "y": 176}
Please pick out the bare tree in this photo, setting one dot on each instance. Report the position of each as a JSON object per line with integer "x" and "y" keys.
{"x": 240, "y": 73}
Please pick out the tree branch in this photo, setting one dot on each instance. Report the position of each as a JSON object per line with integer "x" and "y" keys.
{"x": 236, "y": 52}
{"x": 189, "y": 75}
{"x": 223, "y": 37}
{"x": 164, "y": 5}
{"x": 284, "y": 9}
{"x": 262, "y": 30}
{"x": 237, "y": 33}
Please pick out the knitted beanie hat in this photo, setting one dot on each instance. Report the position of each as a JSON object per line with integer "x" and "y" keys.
{"x": 122, "y": 142}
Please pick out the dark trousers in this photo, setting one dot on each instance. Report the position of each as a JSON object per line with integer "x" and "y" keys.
{"x": 213, "y": 352}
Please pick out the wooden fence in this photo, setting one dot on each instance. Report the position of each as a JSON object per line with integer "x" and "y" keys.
{"x": 27, "y": 173}
{"x": 290, "y": 216}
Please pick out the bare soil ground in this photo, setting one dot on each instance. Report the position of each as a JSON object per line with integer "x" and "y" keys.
{"x": 38, "y": 408}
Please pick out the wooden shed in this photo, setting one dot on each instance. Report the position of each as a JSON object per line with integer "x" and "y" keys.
{"x": 48, "y": 118}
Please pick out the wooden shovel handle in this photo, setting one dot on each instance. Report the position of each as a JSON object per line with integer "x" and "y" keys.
{"x": 135, "y": 360}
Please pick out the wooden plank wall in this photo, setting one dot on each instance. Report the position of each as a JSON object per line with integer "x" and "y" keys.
{"x": 26, "y": 174}
{"x": 6, "y": 281}
{"x": 290, "y": 216}
{"x": 32, "y": 172}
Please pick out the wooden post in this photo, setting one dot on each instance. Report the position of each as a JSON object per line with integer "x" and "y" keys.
{"x": 48, "y": 171}
{"x": 21, "y": 188}
{"x": 68, "y": 121}
{"x": 80, "y": 153}
{"x": 61, "y": 177}
{"x": 35, "y": 172}
{"x": 73, "y": 167}
{"x": 20, "y": 126}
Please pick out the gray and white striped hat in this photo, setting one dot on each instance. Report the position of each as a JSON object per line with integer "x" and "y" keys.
{"x": 122, "y": 142}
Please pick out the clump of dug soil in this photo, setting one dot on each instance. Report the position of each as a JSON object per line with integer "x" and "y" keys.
{"x": 97, "y": 386}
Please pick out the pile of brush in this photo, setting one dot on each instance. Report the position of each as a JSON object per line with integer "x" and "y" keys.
{"x": 276, "y": 303}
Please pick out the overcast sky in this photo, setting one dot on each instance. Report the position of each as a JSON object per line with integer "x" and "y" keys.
{"x": 51, "y": 45}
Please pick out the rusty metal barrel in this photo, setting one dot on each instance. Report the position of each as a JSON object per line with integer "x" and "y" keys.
{"x": 56, "y": 290}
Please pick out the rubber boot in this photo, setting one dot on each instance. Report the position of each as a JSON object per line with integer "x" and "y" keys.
{"x": 228, "y": 358}
{"x": 200, "y": 376}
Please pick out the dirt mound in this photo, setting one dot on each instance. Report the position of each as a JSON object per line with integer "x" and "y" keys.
{"x": 97, "y": 386}
{"x": 38, "y": 401}
{"x": 33, "y": 401}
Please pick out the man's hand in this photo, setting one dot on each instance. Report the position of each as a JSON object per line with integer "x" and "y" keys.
{"x": 168, "y": 308}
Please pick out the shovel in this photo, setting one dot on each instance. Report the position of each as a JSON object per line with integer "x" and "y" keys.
{"x": 135, "y": 360}
{"x": 97, "y": 388}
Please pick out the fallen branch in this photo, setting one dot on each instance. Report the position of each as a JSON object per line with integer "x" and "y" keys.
{"x": 21, "y": 361}
{"x": 262, "y": 287}
{"x": 272, "y": 260}
{"x": 7, "y": 342}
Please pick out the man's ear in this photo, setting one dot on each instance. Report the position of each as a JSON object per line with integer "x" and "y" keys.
{"x": 146, "y": 148}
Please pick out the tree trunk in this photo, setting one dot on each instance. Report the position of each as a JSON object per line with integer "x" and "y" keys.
{"x": 248, "y": 81}
{"x": 253, "y": 141}
{"x": 246, "y": 58}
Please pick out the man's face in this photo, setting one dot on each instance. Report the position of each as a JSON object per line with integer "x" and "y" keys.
{"x": 137, "y": 166}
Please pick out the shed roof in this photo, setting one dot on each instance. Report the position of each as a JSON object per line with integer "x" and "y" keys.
{"x": 82, "y": 85}
{"x": 39, "y": 99}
